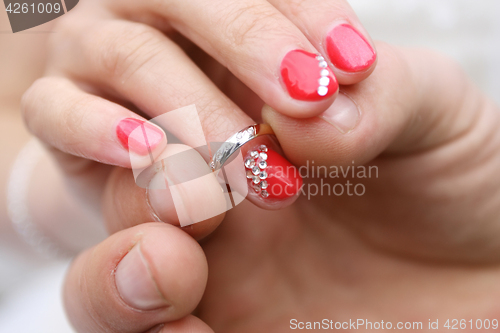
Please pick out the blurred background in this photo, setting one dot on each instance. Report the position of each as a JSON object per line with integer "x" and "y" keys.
{"x": 468, "y": 31}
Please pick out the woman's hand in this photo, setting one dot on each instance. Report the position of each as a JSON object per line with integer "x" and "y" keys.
{"x": 104, "y": 65}
{"x": 425, "y": 229}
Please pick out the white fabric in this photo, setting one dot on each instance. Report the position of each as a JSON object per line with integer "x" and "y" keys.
{"x": 35, "y": 305}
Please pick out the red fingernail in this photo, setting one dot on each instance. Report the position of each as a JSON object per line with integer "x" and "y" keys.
{"x": 348, "y": 49}
{"x": 140, "y": 143}
{"x": 307, "y": 76}
{"x": 271, "y": 175}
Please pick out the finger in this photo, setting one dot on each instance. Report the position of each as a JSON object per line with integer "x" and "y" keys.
{"x": 253, "y": 40}
{"x": 196, "y": 202}
{"x": 135, "y": 280}
{"x": 334, "y": 29}
{"x": 157, "y": 92}
{"x": 84, "y": 125}
{"x": 141, "y": 65}
{"x": 198, "y": 205}
{"x": 412, "y": 102}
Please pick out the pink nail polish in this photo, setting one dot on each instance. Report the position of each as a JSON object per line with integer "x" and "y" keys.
{"x": 348, "y": 49}
{"x": 141, "y": 142}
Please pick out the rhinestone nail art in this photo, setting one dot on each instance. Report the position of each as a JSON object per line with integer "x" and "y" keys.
{"x": 256, "y": 173}
{"x": 307, "y": 76}
{"x": 324, "y": 79}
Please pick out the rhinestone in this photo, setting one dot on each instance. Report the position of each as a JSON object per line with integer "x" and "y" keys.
{"x": 239, "y": 135}
{"x": 264, "y": 194}
{"x": 323, "y": 64}
{"x": 255, "y": 179}
{"x": 322, "y": 90}
{"x": 263, "y": 156}
{"x": 263, "y": 184}
{"x": 320, "y": 58}
{"x": 249, "y": 174}
{"x": 254, "y": 154}
{"x": 263, "y": 174}
{"x": 325, "y": 72}
{"x": 249, "y": 163}
{"x": 256, "y": 170}
{"x": 212, "y": 165}
{"x": 262, "y": 164}
{"x": 324, "y": 81}
{"x": 250, "y": 131}
{"x": 256, "y": 188}
{"x": 263, "y": 148}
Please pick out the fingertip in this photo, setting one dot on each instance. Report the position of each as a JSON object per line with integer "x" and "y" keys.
{"x": 351, "y": 52}
{"x": 137, "y": 278}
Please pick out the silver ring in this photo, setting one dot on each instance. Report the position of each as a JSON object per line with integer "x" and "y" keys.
{"x": 236, "y": 141}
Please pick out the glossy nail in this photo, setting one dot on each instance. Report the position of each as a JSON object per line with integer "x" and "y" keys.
{"x": 135, "y": 284}
{"x": 348, "y": 49}
{"x": 140, "y": 142}
{"x": 343, "y": 114}
{"x": 270, "y": 175}
{"x": 307, "y": 76}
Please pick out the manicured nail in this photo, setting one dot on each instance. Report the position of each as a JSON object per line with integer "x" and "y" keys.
{"x": 348, "y": 49}
{"x": 307, "y": 76}
{"x": 135, "y": 284}
{"x": 141, "y": 142}
{"x": 343, "y": 114}
{"x": 270, "y": 175}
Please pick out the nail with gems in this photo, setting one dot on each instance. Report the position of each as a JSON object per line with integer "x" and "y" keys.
{"x": 307, "y": 76}
{"x": 255, "y": 164}
{"x": 271, "y": 176}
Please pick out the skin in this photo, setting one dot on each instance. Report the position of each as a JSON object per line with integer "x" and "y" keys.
{"x": 422, "y": 243}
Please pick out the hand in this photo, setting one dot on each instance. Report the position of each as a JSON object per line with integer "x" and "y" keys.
{"x": 104, "y": 60}
{"x": 326, "y": 257}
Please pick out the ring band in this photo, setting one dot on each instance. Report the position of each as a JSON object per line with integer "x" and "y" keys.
{"x": 236, "y": 141}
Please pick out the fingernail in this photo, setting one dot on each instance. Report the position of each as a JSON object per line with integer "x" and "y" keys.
{"x": 343, "y": 114}
{"x": 348, "y": 49}
{"x": 141, "y": 142}
{"x": 183, "y": 189}
{"x": 271, "y": 175}
{"x": 135, "y": 284}
{"x": 307, "y": 76}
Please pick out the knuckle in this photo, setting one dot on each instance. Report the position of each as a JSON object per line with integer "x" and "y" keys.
{"x": 73, "y": 121}
{"x": 303, "y": 8}
{"x": 30, "y": 101}
{"x": 120, "y": 49}
{"x": 243, "y": 25}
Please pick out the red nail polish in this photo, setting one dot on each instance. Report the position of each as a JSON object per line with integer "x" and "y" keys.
{"x": 271, "y": 175}
{"x": 307, "y": 76}
{"x": 141, "y": 142}
{"x": 348, "y": 49}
